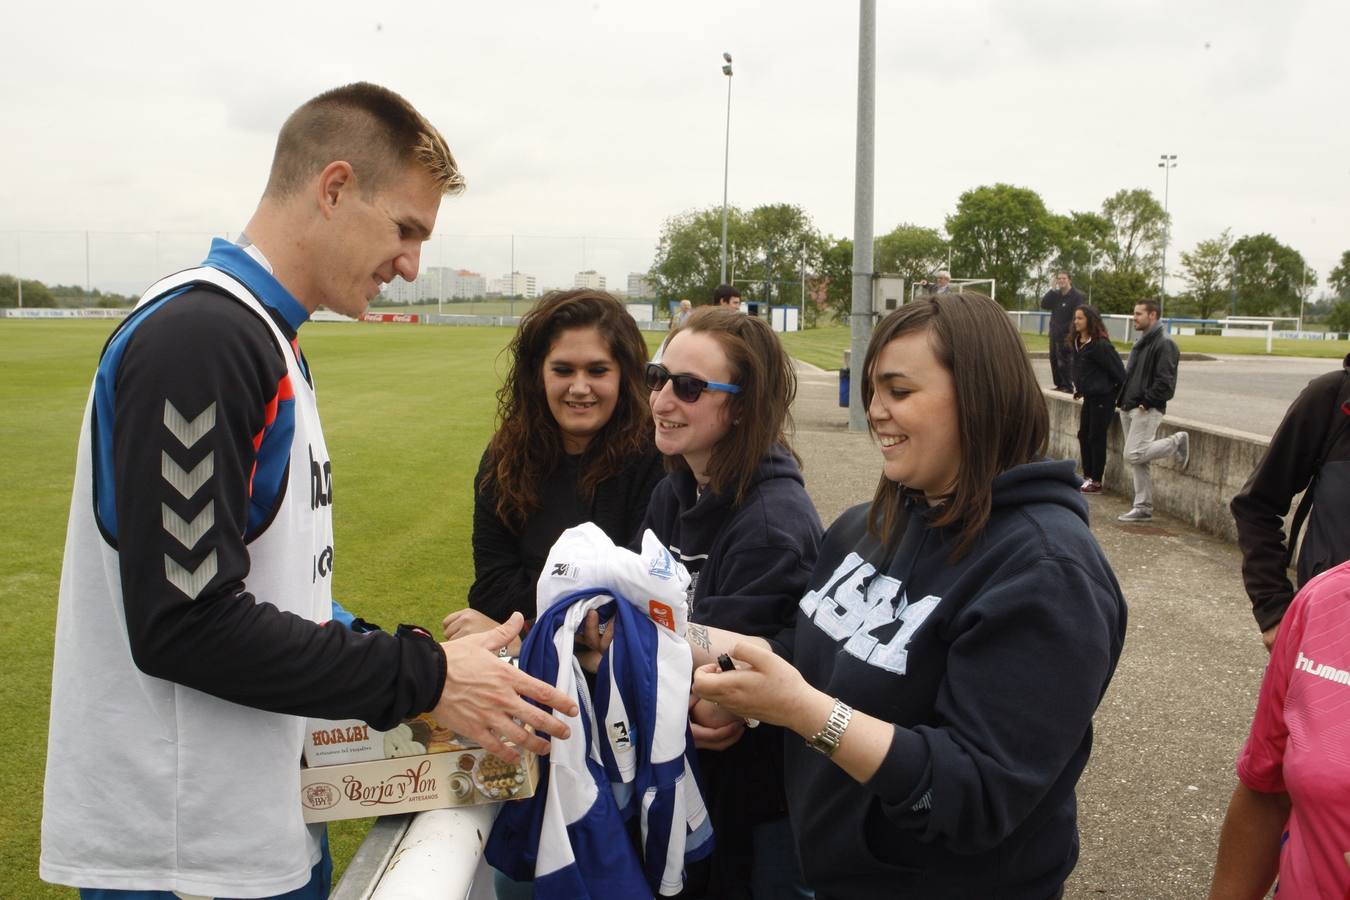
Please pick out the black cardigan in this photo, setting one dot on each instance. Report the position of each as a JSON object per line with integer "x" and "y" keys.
{"x": 1314, "y": 424}
{"x": 507, "y": 567}
{"x": 1097, "y": 369}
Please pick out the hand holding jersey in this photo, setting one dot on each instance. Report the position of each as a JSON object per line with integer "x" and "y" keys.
{"x": 484, "y": 700}
{"x": 713, "y": 727}
{"x": 467, "y": 621}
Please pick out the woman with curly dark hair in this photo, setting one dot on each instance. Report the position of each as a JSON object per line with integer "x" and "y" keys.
{"x": 573, "y": 444}
{"x": 1098, "y": 374}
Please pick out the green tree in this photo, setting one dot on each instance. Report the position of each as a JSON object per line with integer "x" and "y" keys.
{"x": 1080, "y": 242}
{"x": 1340, "y": 277}
{"x": 1207, "y": 268}
{"x": 764, "y": 256}
{"x": 1268, "y": 276}
{"x": 36, "y": 295}
{"x": 1003, "y": 232}
{"x": 1339, "y": 320}
{"x": 689, "y": 253}
{"x": 1118, "y": 292}
{"x": 1137, "y": 226}
{"x": 834, "y": 277}
{"x": 781, "y": 241}
{"x": 75, "y": 296}
{"x": 912, "y": 251}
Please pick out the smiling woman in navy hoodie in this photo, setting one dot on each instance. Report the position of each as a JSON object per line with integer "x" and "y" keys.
{"x": 958, "y": 634}
{"x": 735, "y": 512}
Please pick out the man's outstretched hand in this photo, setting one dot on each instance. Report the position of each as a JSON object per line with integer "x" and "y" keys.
{"x": 482, "y": 699}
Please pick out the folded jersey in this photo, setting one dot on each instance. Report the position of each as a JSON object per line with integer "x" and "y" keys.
{"x": 629, "y": 767}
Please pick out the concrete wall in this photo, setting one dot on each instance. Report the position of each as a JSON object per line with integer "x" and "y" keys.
{"x": 1221, "y": 461}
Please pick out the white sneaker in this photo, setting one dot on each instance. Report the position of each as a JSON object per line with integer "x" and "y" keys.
{"x": 1135, "y": 515}
{"x": 1183, "y": 450}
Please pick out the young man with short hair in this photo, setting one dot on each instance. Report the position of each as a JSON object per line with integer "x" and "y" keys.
{"x": 727, "y": 295}
{"x": 1150, "y": 381}
{"x": 196, "y": 627}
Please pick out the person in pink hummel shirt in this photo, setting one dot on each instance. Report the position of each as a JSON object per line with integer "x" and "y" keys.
{"x": 1290, "y": 813}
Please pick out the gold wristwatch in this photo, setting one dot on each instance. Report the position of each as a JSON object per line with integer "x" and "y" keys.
{"x": 826, "y": 740}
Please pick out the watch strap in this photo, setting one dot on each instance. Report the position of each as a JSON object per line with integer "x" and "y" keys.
{"x": 826, "y": 740}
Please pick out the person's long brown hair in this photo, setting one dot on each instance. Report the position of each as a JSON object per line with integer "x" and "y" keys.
{"x": 761, "y": 412}
{"x": 1001, "y": 415}
{"x": 528, "y": 444}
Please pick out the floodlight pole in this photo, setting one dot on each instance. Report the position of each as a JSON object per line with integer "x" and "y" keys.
{"x": 801, "y": 322}
{"x": 1302, "y": 294}
{"x": 726, "y": 167}
{"x": 1092, "y": 269}
{"x": 1169, "y": 162}
{"x": 863, "y": 195}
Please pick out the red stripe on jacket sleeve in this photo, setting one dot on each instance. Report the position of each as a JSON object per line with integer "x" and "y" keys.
{"x": 284, "y": 392}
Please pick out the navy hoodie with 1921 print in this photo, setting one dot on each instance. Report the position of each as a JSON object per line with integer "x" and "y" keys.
{"x": 990, "y": 669}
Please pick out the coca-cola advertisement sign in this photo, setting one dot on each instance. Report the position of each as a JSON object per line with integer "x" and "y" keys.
{"x": 411, "y": 318}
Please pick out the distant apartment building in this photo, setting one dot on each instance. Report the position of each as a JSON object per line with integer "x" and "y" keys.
{"x": 465, "y": 285}
{"x": 400, "y": 291}
{"x": 590, "y": 279}
{"x": 639, "y": 285}
{"x": 516, "y": 284}
{"x": 432, "y": 284}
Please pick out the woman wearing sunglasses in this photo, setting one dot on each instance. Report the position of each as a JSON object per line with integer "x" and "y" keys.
{"x": 734, "y": 510}
{"x": 573, "y": 445}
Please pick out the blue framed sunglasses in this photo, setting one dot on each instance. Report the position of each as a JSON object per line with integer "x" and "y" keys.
{"x": 687, "y": 387}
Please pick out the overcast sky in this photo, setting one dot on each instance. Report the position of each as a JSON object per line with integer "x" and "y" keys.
{"x": 151, "y": 124}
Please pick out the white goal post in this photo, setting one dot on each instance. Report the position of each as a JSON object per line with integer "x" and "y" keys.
{"x": 1251, "y": 326}
{"x": 986, "y": 286}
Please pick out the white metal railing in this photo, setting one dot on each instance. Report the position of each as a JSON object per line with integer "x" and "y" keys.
{"x": 432, "y": 854}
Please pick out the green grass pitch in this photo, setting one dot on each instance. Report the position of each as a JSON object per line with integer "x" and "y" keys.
{"x": 407, "y": 411}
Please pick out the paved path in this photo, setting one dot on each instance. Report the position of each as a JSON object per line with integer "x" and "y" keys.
{"x": 1248, "y": 393}
{"x": 1153, "y": 797}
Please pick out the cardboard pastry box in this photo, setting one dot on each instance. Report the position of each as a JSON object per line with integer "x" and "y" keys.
{"x": 353, "y": 771}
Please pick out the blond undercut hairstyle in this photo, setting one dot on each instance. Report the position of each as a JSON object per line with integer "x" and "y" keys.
{"x": 374, "y": 129}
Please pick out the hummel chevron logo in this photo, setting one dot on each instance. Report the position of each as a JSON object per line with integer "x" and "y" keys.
{"x": 186, "y": 482}
{"x": 188, "y": 533}
{"x": 189, "y": 433}
{"x": 190, "y": 583}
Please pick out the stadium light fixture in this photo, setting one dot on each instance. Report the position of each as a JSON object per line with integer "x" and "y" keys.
{"x": 1167, "y": 164}
{"x": 726, "y": 163}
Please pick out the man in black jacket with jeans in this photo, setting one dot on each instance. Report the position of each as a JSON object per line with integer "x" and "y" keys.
{"x": 1150, "y": 381}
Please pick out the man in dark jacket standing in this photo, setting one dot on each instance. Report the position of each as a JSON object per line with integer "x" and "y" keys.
{"x": 1150, "y": 381}
{"x": 1309, "y": 452}
{"x": 1061, "y": 302}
